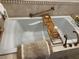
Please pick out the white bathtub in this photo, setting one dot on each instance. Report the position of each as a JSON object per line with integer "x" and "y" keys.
{"x": 20, "y": 30}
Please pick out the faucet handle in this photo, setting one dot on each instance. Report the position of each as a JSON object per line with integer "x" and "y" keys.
{"x": 31, "y": 15}
{"x": 52, "y": 8}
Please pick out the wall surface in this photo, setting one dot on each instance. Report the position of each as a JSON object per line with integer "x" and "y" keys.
{"x": 24, "y": 8}
{"x": 46, "y": 0}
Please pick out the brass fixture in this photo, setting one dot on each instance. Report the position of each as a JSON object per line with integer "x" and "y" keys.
{"x": 51, "y": 28}
{"x": 77, "y": 20}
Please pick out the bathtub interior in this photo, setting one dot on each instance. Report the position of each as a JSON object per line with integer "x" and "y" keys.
{"x": 25, "y": 30}
{"x": 21, "y": 31}
{"x": 32, "y": 30}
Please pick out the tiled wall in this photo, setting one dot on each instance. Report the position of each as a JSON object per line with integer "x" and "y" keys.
{"x": 46, "y": 0}
{"x": 24, "y": 8}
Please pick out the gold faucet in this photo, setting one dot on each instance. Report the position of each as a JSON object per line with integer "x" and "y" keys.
{"x": 51, "y": 28}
